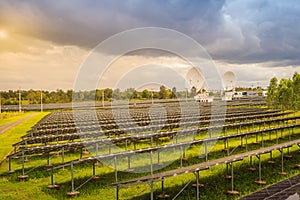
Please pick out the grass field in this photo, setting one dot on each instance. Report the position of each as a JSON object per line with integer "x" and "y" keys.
{"x": 215, "y": 186}
{"x": 7, "y": 117}
{"x": 13, "y": 135}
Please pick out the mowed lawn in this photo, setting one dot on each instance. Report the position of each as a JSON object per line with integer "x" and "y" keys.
{"x": 215, "y": 186}
{"x": 13, "y": 135}
{"x": 8, "y": 117}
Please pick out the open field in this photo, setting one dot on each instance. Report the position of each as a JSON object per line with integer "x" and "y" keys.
{"x": 54, "y": 142}
{"x": 8, "y": 117}
{"x": 159, "y": 99}
{"x": 13, "y": 134}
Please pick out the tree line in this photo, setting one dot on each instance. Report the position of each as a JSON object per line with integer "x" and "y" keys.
{"x": 31, "y": 96}
{"x": 284, "y": 94}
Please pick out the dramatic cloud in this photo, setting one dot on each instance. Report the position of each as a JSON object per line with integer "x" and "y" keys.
{"x": 268, "y": 31}
{"x": 246, "y": 33}
{"x": 86, "y": 23}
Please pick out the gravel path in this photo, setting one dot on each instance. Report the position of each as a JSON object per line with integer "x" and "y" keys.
{"x": 12, "y": 124}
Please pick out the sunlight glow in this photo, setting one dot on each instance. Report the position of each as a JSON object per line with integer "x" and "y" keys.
{"x": 3, "y": 34}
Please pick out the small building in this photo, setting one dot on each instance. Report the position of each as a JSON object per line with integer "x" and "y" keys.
{"x": 238, "y": 95}
{"x": 264, "y": 93}
{"x": 204, "y": 98}
{"x": 227, "y": 96}
{"x": 252, "y": 94}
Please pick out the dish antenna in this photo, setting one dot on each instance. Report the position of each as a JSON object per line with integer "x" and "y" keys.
{"x": 229, "y": 80}
{"x": 195, "y": 78}
{"x": 151, "y": 87}
{"x": 154, "y": 87}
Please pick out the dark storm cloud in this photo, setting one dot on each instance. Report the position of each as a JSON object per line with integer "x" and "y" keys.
{"x": 232, "y": 31}
{"x": 270, "y": 31}
{"x": 86, "y": 23}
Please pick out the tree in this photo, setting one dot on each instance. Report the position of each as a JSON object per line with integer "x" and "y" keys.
{"x": 108, "y": 93}
{"x": 146, "y": 94}
{"x": 69, "y": 95}
{"x": 134, "y": 95}
{"x": 296, "y": 91}
{"x": 284, "y": 95}
{"x": 272, "y": 93}
{"x": 174, "y": 93}
{"x": 162, "y": 92}
{"x": 32, "y": 97}
{"x": 98, "y": 95}
{"x": 127, "y": 94}
{"x": 116, "y": 94}
{"x": 193, "y": 91}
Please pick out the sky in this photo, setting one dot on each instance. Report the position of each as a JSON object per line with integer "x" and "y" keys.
{"x": 43, "y": 43}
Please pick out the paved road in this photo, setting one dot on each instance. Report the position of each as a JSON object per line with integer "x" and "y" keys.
{"x": 12, "y": 124}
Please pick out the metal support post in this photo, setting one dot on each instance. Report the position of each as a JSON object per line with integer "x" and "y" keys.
{"x": 259, "y": 167}
{"x": 231, "y": 176}
{"x": 9, "y": 165}
{"x": 181, "y": 156}
{"x": 72, "y": 176}
{"x": 206, "y": 154}
{"x": 94, "y": 170}
{"x": 52, "y": 184}
{"x": 151, "y": 190}
{"x": 116, "y": 171}
{"x": 48, "y": 160}
{"x": 227, "y": 146}
{"x": 117, "y": 193}
{"x": 151, "y": 162}
{"x": 260, "y": 182}
{"x": 197, "y": 186}
{"x": 158, "y": 157}
{"x": 23, "y": 161}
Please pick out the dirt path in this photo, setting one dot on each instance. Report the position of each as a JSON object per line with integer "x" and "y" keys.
{"x": 12, "y": 124}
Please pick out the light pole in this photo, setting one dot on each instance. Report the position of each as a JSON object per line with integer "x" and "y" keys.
{"x": 41, "y": 101}
{"x": 20, "y": 108}
{"x": 103, "y": 98}
{"x": 152, "y": 97}
{"x": 186, "y": 94}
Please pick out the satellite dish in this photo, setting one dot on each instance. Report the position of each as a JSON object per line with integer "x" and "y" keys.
{"x": 154, "y": 87}
{"x": 229, "y": 80}
{"x": 195, "y": 78}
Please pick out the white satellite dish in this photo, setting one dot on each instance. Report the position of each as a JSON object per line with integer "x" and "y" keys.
{"x": 229, "y": 80}
{"x": 154, "y": 87}
{"x": 195, "y": 78}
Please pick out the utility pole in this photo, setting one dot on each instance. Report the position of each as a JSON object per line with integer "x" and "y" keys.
{"x": 186, "y": 94}
{"x": 20, "y": 108}
{"x": 152, "y": 97}
{"x": 103, "y": 98}
{"x": 41, "y": 101}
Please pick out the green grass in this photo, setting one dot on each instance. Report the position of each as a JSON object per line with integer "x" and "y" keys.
{"x": 215, "y": 186}
{"x": 13, "y": 135}
{"x": 7, "y": 117}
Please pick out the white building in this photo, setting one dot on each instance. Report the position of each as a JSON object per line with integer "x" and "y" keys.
{"x": 238, "y": 95}
{"x": 204, "y": 98}
{"x": 252, "y": 94}
{"x": 227, "y": 96}
{"x": 264, "y": 93}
